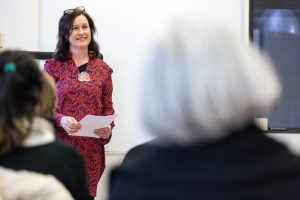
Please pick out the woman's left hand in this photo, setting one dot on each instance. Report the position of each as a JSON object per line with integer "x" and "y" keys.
{"x": 103, "y": 133}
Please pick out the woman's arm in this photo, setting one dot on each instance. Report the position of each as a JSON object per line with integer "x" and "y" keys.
{"x": 50, "y": 67}
{"x": 107, "y": 101}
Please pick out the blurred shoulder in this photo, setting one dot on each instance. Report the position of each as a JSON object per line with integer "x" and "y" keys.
{"x": 51, "y": 61}
{"x": 102, "y": 64}
{"x": 23, "y": 184}
{"x": 66, "y": 150}
{"x": 141, "y": 151}
{"x": 52, "y": 64}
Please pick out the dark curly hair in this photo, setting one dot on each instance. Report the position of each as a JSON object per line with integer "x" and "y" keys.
{"x": 64, "y": 29}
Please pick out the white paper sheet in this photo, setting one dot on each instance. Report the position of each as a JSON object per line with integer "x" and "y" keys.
{"x": 91, "y": 122}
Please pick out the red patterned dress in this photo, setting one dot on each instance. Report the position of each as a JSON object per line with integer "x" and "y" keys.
{"x": 78, "y": 99}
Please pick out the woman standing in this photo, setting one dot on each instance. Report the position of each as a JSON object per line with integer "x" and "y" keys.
{"x": 84, "y": 86}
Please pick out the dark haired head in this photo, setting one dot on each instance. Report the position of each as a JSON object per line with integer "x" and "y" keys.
{"x": 64, "y": 30}
{"x": 20, "y": 86}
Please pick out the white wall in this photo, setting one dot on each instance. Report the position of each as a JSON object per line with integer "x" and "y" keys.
{"x": 124, "y": 28}
{"x": 19, "y": 24}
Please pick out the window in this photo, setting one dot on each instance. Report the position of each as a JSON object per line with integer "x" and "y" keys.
{"x": 275, "y": 29}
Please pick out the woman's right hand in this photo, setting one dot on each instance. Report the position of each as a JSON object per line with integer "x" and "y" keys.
{"x": 70, "y": 124}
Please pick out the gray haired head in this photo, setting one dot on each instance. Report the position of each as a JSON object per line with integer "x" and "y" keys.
{"x": 202, "y": 82}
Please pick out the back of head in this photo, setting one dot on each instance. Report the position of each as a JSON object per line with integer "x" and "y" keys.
{"x": 201, "y": 82}
{"x": 46, "y": 107}
{"x": 20, "y": 86}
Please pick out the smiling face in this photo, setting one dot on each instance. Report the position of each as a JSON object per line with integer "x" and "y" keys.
{"x": 80, "y": 33}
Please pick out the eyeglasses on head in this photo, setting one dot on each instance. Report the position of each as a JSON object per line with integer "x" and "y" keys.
{"x": 69, "y": 11}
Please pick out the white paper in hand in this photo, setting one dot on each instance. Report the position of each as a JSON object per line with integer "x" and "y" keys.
{"x": 91, "y": 122}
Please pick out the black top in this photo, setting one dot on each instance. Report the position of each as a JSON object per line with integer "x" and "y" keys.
{"x": 55, "y": 158}
{"x": 246, "y": 165}
{"x": 82, "y": 68}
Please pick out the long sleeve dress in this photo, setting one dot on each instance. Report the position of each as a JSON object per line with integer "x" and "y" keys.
{"x": 78, "y": 99}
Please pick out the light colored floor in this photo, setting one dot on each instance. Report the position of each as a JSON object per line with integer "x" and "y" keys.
{"x": 112, "y": 159}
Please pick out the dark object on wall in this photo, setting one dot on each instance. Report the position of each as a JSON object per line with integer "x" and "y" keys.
{"x": 46, "y": 55}
{"x": 40, "y": 54}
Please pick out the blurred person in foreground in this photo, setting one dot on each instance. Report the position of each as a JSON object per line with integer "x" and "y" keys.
{"x": 27, "y": 127}
{"x": 29, "y": 185}
{"x": 202, "y": 89}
